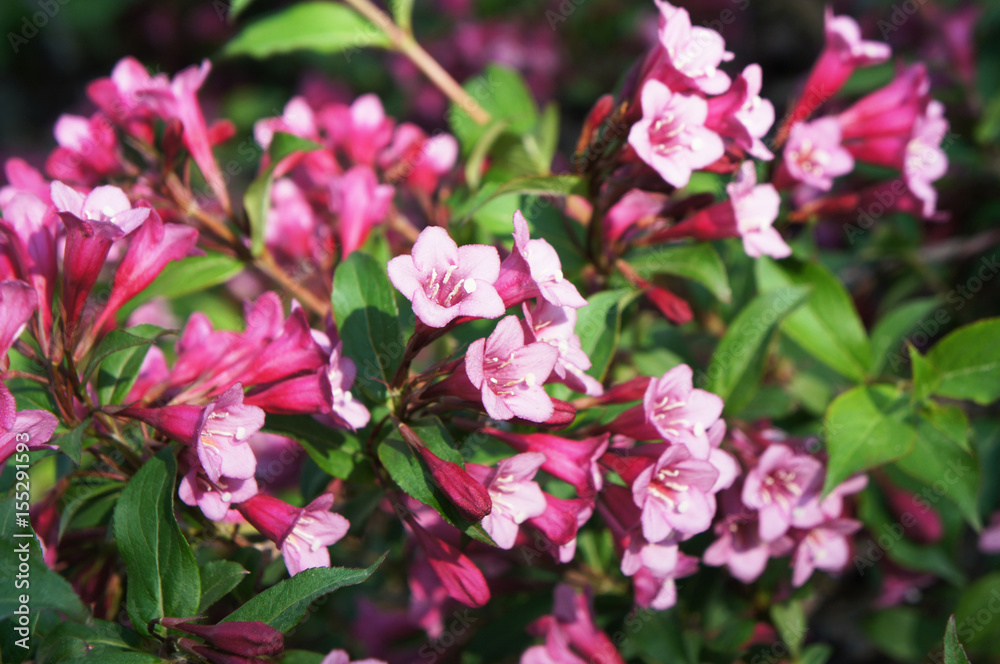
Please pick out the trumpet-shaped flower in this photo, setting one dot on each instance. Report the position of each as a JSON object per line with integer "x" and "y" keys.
{"x": 532, "y": 270}
{"x": 516, "y": 498}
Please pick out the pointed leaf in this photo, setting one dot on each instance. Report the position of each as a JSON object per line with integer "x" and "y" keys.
{"x": 697, "y": 262}
{"x": 218, "y": 578}
{"x": 968, "y": 362}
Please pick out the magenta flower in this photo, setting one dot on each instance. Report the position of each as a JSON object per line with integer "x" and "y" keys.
{"x": 692, "y": 54}
{"x": 153, "y": 246}
{"x": 741, "y": 116}
{"x": 824, "y": 547}
{"x": 674, "y": 410}
{"x": 302, "y": 533}
{"x": 360, "y": 203}
{"x": 784, "y": 487}
{"x": 88, "y": 150}
{"x": 29, "y": 230}
{"x": 417, "y": 159}
{"x": 179, "y": 100}
{"x": 93, "y": 224}
{"x": 532, "y": 270}
{"x": 673, "y": 494}
{"x": 445, "y": 281}
{"x": 233, "y": 640}
{"x": 213, "y": 498}
{"x": 459, "y": 575}
{"x": 554, "y": 325}
{"x": 660, "y": 592}
{"x": 635, "y": 208}
{"x": 814, "y": 154}
{"x": 341, "y": 657}
{"x": 295, "y": 350}
{"x": 33, "y": 428}
{"x": 291, "y": 221}
{"x": 562, "y": 519}
{"x": 739, "y": 546}
{"x": 17, "y": 302}
{"x": 120, "y": 97}
{"x": 298, "y": 119}
{"x": 843, "y": 52}
{"x": 362, "y": 129}
{"x": 465, "y": 489}
{"x": 671, "y": 136}
{"x": 515, "y": 497}
{"x": 23, "y": 179}
{"x": 510, "y": 374}
{"x": 573, "y": 461}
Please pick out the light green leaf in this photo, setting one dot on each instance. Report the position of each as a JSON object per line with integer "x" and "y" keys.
{"x": 322, "y": 27}
{"x": 162, "y": 575}
{"x": 542, "y": 185}
{"x": 119, "y": 370}
{"x": 113, "y": 342}
{"x": 697, "y": 262}
{"x": 891, "y": 331}
{"x": 792, "y": 624}
{"x": 368, "y": 320}
{"x": 738, "y": 361}
{"x": 189, "y": 275}
{"x": 284, "y": 604}
{"x": 866, "y": 427}
{"x": 503, "y": 94}
{"x": 828, "y": 326}
{"x": 402, "y": 13}
{"x": 968, "y": 362}
{"x": 237, "y": 7}
{"x": 925, "y": 377}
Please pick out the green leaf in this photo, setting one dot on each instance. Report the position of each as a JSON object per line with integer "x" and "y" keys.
{"x": 119, "y": 371}
{"x": 599, "y": 327}
{"x": 368, "y": 320}
{"x": 48, "y": 590}
{"x": 738, "y": 361}
{"x": 98, "y": 642}
{"x": 890, "y": 332}
{"x": 866, "y": 427}
{"x": 336, "y": 451}
{"x": 402, "y": 13}
{"x": 257, "y": 200}
{"x": 322, "y": 27}
{"x": 503, "y": 94}
{"x": 237, "y": 7}
{"x": 981, "y": 596}
{"x": 480, "y": 150}
{"x": 790, "y": 620}
{"x": 925, "y": 377}
{"x": 71, "y": 444}
{"x": 189, "y": 275}
{"x": 543, "y": 185}
{"x": 162, "y": 574}
{"x": 697, "y": 262}
{"x": 284, "y": 604}
{"x": 83, "y": 492}
{"x": 968, "y": 362}
{"x": 816, "y": 653}
{"x": 219, "y": 577}
{"x": 828, "y": 326}
{"x": 409, "y": 472}
{"x": 113, "y": 342}
{"x": 941, "y": 458}
{"x": 954, "y": 653}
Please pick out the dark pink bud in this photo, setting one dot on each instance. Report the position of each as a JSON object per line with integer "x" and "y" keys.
{"x": 249, "y": 639}
{"x": 272, "y": 517}
{"x": 461, "y": 578}
{"x": 595, "y": 118}
{"x": 468, "y": 495}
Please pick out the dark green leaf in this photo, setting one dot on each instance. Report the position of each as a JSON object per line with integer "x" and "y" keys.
{"x": 283, "y": 605}
{"x": 71, "y": 443}
{"x": 336, "y": 451}
{"x": 599, "y": 326}
{"x": 113, "y": 342}
{"x": 162, "y": 574}
{"x": 981, "y": 597}
{"x": 366, "y": 315}
{"x": 257, "y": 200}
{"x": 738, "y": 361}
{"x": 828, "y": 326}
{"x": 816, "y": 653}
{"x": 322, "y": 27}
{"x": 98, "y": 642}
{"x": 866, "y": 427}
{"x": 237, "y": 7}
{"x": 218, "y": 578}
{"x": 81, "y": 493}
{"x": 697, "y": 262}
{"x": 954, "y": 653}
{"x": 119, "y": 371}
{"x": 968, "y": 362}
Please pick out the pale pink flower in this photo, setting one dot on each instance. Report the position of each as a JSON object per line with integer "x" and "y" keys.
{"x": 554, "y": 325}
{"x": 445, "y": 281}
{"x": 341, "y": 657}
{"x": 88, "y": 150}
{"x": 692, "y": 53}
{"x": 739, "y": 546}
{"x": 989, "y": 539}
{"x": 741, "y": 116}
{"x": 671, "y": 136}
{"x": 418, "y": 159}
{"x": 226, "y": 426}
{"x": 824, "y": 547}
{"x": 510, "y": 373}
{"x": 755, "y": 207}
{"x": 925, "y": 161}
{"x": 214, "y": 498}
{"x": 814, "y": 154}
{"x": 573, "y": 461}
{"x": 784, "y": 487}
{"x": 673, "y": 494}
{"x": 570, "y": 634}
{"x": 516, "y": 498}
{"x": 362, "y": 129}
{"x": 533, "y": 269}
{"x": 297, "y": 119}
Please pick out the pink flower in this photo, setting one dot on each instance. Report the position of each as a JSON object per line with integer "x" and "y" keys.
{"x": 824, "y": 547}
{"x": 417, "y": 159}
{"x": 93, "y": 224}
{"x": 153, "y": 246}
{"x": 515, "y": 497}
{"x": 17, "y": 302}
{"x": 459, "y": 575}
{"x": 291, "y": 221}
{"x": 179, "y": 100}
{"x": 360, "y": 203}
{"x": 88, "y": 150}
{"x": 635, "y": 208}
{"x": 673, "y": 494}
{"x": 302, "y": 533}
{"x": 570, "y": 634}
{"x": 22, "y": 179}
{"x": 741, "y": 117}
{"x": 228, "y": 639}
{"x": 33, "y": 428}
{"x": 510, "y": 374}
{"x": 739, "y": 546}
{"x": 120, "y": 97}
{"x": 692, "y": 54}
{"x": 671, "y": 136}
{"x": 814, "y": 154}
{"x": 925, "y": 161}
{"x": 573, "y": 461}
{"x": 843, "y": 52}
{"x": 297, "y": 119}
{"x": 674, "y": 410}
{"x": 755, "y": 207}
{"x": 214, "y": 498}
{"x": 660, "y": 592}
{"x": 784, "y": 487}
{"x": 532, "y": 270}
{"x": 554, "y": 325}
{"x": 989, "y": 539}
{"x": 341, "y": 657}
{"x": 362, "y": 130}
{"x": 445, "y": 281}
{"x": 562, "y": 519}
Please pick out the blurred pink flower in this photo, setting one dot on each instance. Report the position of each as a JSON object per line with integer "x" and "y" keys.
{"x": 516, "y": 498}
